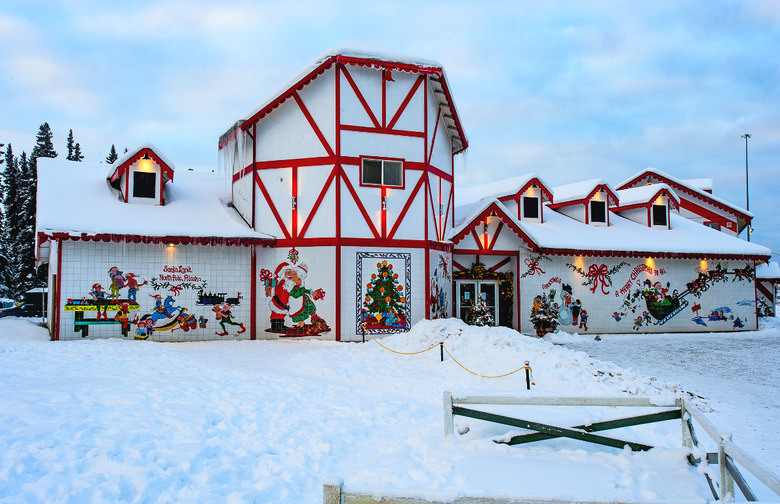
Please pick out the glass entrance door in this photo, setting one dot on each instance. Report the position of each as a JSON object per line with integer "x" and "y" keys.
{"x": 470, "y": 290}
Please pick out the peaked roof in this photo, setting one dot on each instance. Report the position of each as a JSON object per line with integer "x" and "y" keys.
{"x": 503, "y": 188}
{"x": 581, "y": 192}
{"x": 644, "y": 195}
{"x": 75, "y": 200}
{"x": 685, "y": 187}
{"x": 362, "y": 54}
{"x": 122, "y": 164}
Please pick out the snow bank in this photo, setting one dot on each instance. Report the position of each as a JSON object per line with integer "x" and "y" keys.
{"x": 270, "y": 421}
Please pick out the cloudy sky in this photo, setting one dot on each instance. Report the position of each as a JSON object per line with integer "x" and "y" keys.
{"x": 570, "y": 90}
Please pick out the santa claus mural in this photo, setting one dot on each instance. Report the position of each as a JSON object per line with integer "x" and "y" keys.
{"x": 289, "y": 298}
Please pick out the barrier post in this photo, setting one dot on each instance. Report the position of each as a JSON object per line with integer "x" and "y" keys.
{"x": 527, "y": 376}
{"x": 726, "y": 491}
{"x": 441, "y": 350}
{"x": 449, "y": 425}
{"x": 363, "y": 330}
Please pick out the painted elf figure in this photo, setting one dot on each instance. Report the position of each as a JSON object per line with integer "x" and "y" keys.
{"x": 132, "y": 286}
{"x": 224, "y": 316}
{"x": 99, "y": 295}
{"x": 117, "y": 281}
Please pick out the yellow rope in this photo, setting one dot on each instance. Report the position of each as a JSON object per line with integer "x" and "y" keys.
{"x": 456, "y": 360}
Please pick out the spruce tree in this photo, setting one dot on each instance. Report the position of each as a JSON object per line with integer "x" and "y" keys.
{"x": 112, "y": 155}
{"x": 77, "y": 156}
{"x": 44, "y": 145}
{"x": 70, "y": 146}
{"x": 25, "y": 260}
{"x": 9, "y": 240}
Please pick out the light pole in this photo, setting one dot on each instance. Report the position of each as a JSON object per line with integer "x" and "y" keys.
{"x": 747, "y": 194}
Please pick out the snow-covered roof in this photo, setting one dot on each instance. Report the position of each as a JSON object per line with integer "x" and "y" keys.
{"x": 578, "y": 190}
{"x": 498, "y": 189}
{"x": 768, "y": 271}
{"x": 122, "y": 164}
{"x": 359, "y": 50}
{"x": 705, "y": 184}
{"x": 75, "y": 198}
{"x": 644, "y": 194}
{"x": 561, "y": 233}
{"x": 686, "y": 185}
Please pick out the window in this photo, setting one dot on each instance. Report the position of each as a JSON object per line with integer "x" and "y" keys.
{"x": 144, "y": 184}
{"x": 598, "y": 211}
{"x": 659, "y": 215}
{"x": 530, "y": 207}
{"x": 382, "y": 172}
{"x": 713, "y": 225}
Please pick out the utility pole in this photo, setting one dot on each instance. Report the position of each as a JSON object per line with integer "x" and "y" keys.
{"x": 747, "y": 193}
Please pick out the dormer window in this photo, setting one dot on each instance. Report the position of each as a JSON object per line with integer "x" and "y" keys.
{"x": 530, "y": 207}
{"x": 382, "y": 172}
{"x": 659, "y": 215}
{"x": 144, "y": 184}
{"x": 598, "y": 212}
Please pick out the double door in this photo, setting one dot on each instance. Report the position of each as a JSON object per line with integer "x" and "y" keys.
{"x": 468, "y": 291}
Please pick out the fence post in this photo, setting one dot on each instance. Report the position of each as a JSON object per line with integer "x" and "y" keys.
{"x": 686, "y": 434}
{"x": 331, "y": 491}
{"x": 449, "y": 426}
{"x": 726, "y": 481}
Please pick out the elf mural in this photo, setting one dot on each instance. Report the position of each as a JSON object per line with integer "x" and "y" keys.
{"x": 289, "y": 298}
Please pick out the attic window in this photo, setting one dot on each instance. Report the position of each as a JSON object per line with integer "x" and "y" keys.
{"x": 530, "y": 207}
{"x": 382, "y": 172}
{"x": 598, "y": 212}
{"x": 659, "y": 215}
{"x": 144, "y": 184}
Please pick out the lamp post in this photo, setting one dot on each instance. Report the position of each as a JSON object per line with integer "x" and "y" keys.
{"x": 747, "y": 194}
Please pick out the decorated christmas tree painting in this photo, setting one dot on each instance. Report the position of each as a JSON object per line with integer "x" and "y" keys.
{"x": 385, "y": 301}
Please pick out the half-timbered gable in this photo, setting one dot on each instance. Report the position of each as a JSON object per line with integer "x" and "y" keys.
{"x": 588, "y": 201}
{"x": 648, "y": 204}
{"x": 353, "y": 158}
{"x": 697, "y": 202}
{"x": 140, "y": 174}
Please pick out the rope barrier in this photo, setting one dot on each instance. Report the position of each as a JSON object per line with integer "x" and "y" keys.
{"x": 529, "y": 375}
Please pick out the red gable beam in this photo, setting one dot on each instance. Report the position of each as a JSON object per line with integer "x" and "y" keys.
{"x": 471, "y": 228}
{"x": 121, "y": 169}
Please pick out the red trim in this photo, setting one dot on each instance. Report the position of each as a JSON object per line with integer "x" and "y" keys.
{"x": 253, "y": 295}
{"x": 176, "y": 240}
{"x": 586, "y": 200}
{"x": 338, "y": 174}
{"x": 406, "y": 101}
{"x": 360, "y": 206}
{"x": 294, "y": 209}
{"x": 362, "y": 99}
{"x": 708, "y": 215}
{"x": 456, "y": 264}
{"x": 254, "y": 175}
{"x": 439, "y": 173}
{"x": 495, "y": 235}
{"x": 435, "y": 130}
{"x": 391, "y": 243}
{"x": 435, "y": 221}
{"x": 58, "y": 299}
{"x": 406, "y": 207}
{"x": 127, "y": 186}
{"x": 500, "y": 264}
{"x": 644, "y": 254}
{"x": 504, "y": 218}
{"x": 477, "y": 239}
{"x": 271, "y": 206}
{"x": 513, "y": 253}
{"x": 644, "y": 176}
{"x": 313, "y": 124}
{"x": 382, "y": 131}
{"x": 167, "y": 171}
{"x": 318, "y": 202}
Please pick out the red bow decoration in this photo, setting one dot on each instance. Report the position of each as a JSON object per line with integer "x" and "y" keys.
{"x": 265, "y": 275}
{"x": 599, "y": 273}
{"x": 533, "y": 267}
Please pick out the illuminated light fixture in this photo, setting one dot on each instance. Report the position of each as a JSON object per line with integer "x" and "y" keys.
{"x": 649, "y": 262}
{"x": 294, "y": 203}
{"x": 146, "y": 156}
{"x": 384, "y": 203}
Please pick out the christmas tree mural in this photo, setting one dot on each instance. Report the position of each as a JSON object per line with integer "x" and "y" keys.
{"x": 385, "y": 301}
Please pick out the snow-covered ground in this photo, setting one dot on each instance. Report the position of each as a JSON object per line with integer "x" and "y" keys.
{"x": 269, "y": 421}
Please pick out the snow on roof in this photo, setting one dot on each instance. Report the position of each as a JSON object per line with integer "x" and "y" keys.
{"x": 768, "y": 271}
{"x": 75, "y": 198}
{"x": 354, "y": 49}
{"x": 705, "y": 184}
{"x": 622, "y": 235}
{"x": 577, "y": 190}
{"x": 691, "y": 187}
{"x": 498, "y": 189}
{"x": 132, "y": 152}
{"x": 643, "y": 194}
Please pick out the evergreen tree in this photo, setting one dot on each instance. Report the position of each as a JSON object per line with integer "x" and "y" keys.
{"x": 384, "y": 293}
{"x": 112, "y": 155}
{"x": 77, "y": 156}
{"x": 480, "y": 315}
{"x": 70, "y": 146}
{"x": 24, "y": 262}
{"x": 9, "y": 239}
{"x": 44, "y": 145}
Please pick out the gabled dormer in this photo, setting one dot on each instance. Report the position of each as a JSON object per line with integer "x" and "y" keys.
{"x": 588, "y": 202}
{"x": 524, "y": 196}
{"x": 697, "y": 203}
{"x": 648, "y": 205}
{"x": 140, "y": 175}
